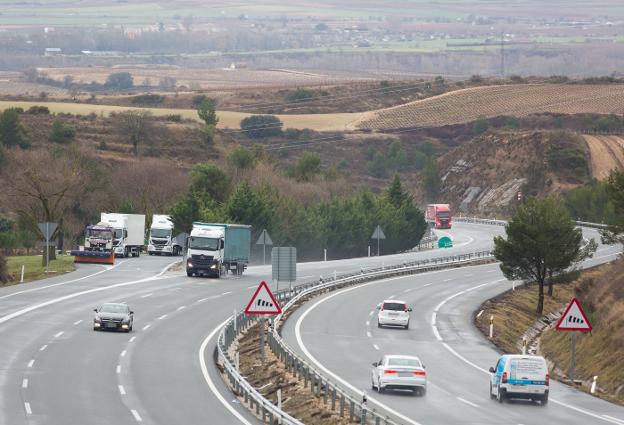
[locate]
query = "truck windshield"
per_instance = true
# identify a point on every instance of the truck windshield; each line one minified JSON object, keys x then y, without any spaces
{"x":444,"y":214}
{"x":99,"y":233}
{"x":161,"y":233}
{"x":208,"y":244}
{"x":118,"y":233}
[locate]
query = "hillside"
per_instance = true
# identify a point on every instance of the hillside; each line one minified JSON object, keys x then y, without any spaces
{"x":484,"y":175}
{"x":470,"y":104}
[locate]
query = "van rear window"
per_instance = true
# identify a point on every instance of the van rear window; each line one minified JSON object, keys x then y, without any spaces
{"x":529,"y":368}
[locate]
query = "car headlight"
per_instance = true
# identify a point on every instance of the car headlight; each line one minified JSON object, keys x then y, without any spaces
{"x":189,"y":265}
{"x":214,"y":266}
{"x":124,"y":326}
{"x":97,"y":324}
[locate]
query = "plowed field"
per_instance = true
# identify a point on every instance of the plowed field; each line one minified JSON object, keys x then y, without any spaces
{"x":607,"y":153}
{"x":467,"y":105}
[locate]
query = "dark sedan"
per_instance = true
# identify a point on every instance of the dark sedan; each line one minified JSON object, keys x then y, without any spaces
{"x":113,"y":316}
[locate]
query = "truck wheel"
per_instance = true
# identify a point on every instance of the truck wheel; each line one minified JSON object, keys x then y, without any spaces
{"x":189,"y":274}
{"x":126,"y":252}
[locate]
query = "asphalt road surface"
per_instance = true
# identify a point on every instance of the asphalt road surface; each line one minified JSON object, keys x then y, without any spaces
{"x":56,"y":370}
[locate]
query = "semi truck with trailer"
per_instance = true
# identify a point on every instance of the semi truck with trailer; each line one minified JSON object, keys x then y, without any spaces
{"x":161,"y":240}
{"x":128,"y":233}
{"x":213,"y":249}
{"x":440,"y":215}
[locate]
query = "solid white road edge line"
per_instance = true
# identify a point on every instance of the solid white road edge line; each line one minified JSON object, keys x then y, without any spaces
{"x":467,"y":402}
{"x":615,"y":419}
{"x":28,"y":309}
{"x":465,"y":360}
{"x":208,"y":379}
{"x":60,"y":283}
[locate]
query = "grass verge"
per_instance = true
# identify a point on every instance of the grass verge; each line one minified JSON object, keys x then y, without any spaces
{"x":599,"y":353}
{"x":33,"y":268}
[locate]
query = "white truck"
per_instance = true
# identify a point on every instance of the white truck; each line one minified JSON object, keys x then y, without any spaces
{"x":161,"y":240}
{"x":215,"y":248}
{"x":129,"y":233}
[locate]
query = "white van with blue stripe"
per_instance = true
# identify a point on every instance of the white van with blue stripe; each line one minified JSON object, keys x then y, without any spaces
{"x":520,"y":376}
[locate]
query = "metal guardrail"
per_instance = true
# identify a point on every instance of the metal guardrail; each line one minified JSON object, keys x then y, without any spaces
{"x":342,"y":400}
{"x":495,"y":222}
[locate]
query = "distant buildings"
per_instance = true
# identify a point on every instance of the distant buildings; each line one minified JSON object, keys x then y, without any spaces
{"x":52,"y":51}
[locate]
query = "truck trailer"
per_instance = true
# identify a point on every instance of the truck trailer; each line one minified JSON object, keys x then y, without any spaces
{"x":439,"y":215}
{"x":213,"y":249}
{"x":161,"y":239}
{"x":129,"y":233}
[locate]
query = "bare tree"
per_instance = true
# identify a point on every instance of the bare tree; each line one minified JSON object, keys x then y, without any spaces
{"x":136,"y":127}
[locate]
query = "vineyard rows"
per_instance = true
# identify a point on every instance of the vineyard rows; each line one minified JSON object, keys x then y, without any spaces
{"x":467,"y":105}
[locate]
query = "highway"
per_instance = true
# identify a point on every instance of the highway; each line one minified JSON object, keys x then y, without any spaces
{"x":57,"y":370}
{"x":441,"y":333}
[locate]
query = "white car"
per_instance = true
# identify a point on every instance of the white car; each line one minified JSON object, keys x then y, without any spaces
{"x":395,"y":372}
{"x":393,"y":313}
{"x":520,"y":376}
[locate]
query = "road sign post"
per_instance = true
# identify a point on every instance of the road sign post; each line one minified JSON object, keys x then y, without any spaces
{"x":378,"y":234}
{"x":264,"y":240}
{"x":262,"y":303}
{"x":47,"y":230}
{"x":573,"y":319}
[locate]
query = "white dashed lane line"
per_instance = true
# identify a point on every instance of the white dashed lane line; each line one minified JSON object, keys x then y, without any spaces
{"x":136,"y":415}
{"x":371,"y":313}
{"x":31,"y":363}
{"x":43,"y":347}
{"x":123,"y":353}
{"x":59,"y":334}
{"x":182,"y":307}
{"x":146,"y":327}
{"x":368,"y":334}
{"x":132,"y":339}
{"x":376,"y":346}
{"x":226,"y":293}
{"x":24,"y":383}
{"x":448,"y":280}
{"x":77,"y":322}
{"x":368,"y":323}
{"x":467,"y":402}
{"x":27,"y":408}
{"x":147,"y":295}
{"x":162,"y":317}
{"x":122,"y":391}
{"x":118,"y":369}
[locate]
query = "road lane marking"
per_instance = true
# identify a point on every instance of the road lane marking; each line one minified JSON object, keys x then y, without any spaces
{"x":468,"y":275}
{"x":428,"y":284}
{"x":162,"y":317}
{"x":252,"y":287}
{"x":371,"y":313}
{"x":208,"y":379}
{"x":226,"y":293}
{"x":43,"y":347}
{"x":31,"y":363}
{"x":136,"y":415}
{"x":147,"y":295}
{"x":468,"y":402}
{"x":615,"y":419}
{"x":60,"y":283}
{"x":24,"y":383}
{"x":27,"y":408}
{"x":30,"y":308}
{"x":202,"y":300}
{"x":146,"y":327}
{"x":368,"y":323}
{"x":118,"y":369}
{"x":406,"y":291}
{"x":376,"y":346}
{"x":123,"y":353}
{"x":448,"y":280}
{"x":77,"y":322}
{"x":122,"y":391}
{"x":182,"y":307}
{"x":132,"y":339}
{"x":59,"y":334}
{"x":368,"y":334}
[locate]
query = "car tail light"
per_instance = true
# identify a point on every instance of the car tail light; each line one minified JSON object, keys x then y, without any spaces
{"x":382,"y":307}
{"x":504,"y":380}
{"x":420,"y":373}
{"x":389,"y":372}
{"x":547,"y":379}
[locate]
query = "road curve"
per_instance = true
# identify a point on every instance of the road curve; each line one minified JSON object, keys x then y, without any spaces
{"x":441,"y":333}
{"x":57,"y":370}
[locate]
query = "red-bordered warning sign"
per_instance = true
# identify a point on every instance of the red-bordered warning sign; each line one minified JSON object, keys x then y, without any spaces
{"x":574,"y":318}
{"x":263,"y":301}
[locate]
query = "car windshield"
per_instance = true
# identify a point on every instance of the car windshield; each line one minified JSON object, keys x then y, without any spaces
{"x":99,"y":233}
{"x":394,"y":306}
{"x":444,"y":214}
{"x":161,"y":233}
{"x":114,"y":308}
{"x":208,"y":244}
{"x":398,"y":361}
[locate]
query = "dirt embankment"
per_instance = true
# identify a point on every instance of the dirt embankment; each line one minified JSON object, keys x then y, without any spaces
{"x":607,"y":154}
{"x":599,"y":353}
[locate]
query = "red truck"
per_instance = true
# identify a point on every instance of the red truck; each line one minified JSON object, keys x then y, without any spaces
{"x":440,"y":215}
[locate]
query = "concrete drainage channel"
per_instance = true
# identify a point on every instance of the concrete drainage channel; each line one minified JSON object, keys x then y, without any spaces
{"x":334,"y":396}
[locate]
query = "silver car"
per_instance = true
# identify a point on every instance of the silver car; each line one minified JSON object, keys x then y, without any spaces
{"x":394,"y":372}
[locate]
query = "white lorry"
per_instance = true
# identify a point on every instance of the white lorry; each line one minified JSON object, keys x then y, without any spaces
{"x":215,"y":248}
{"x":161,"y":240}
{"x":129,"y":233}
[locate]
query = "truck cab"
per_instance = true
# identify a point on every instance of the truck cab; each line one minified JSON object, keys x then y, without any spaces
{"x":99,"y":237}
{"x":440,"y":215}
{"x":213,"y":249}
{"x":161,"y":240}
{"x":128,"y":233}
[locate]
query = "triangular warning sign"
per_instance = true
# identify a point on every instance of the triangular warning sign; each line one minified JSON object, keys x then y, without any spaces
{"x":574,"y":318}
{"x":263,"y":301}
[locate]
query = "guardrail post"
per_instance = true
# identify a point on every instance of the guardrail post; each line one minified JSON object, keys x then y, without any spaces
{"x":352,"y":411}
{"x":333,"y":403}
{"x":342,"y":405}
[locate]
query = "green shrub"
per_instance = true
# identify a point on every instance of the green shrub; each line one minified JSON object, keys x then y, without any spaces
{"x":38,"y":110}
{"x":261,"y":126}
{"x":61,"y":133}
{"x":148,"y":99}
